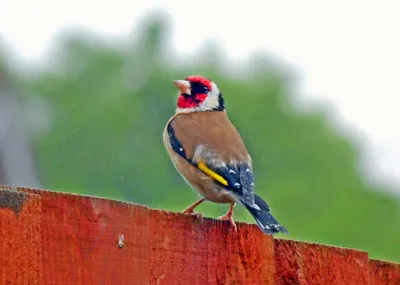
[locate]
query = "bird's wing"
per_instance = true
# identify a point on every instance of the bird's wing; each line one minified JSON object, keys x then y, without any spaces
{"x":219,"y":153}
{"x":236,"y":177}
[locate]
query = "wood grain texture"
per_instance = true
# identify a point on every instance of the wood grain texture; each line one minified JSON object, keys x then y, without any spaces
{"x":20,"y":259}
{"x":57,"y":238}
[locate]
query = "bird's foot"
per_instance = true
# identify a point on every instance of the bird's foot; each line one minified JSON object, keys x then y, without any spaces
{"x":193,"y":213}
{"x":190,"y":210}
{"x":229,"y":217}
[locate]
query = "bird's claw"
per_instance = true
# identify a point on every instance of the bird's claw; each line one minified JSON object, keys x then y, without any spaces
{"x":229,"y":218}
{"x":193,"y":213}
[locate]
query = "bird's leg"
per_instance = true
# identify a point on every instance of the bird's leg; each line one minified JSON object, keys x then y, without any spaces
{"x":190,"y":210}
{"x":229,"y":216}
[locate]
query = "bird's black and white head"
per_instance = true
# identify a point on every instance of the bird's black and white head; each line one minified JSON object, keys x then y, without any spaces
{"x":198,"y":94}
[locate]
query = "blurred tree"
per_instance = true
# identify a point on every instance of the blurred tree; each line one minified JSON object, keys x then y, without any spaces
{"x":110,"y":107}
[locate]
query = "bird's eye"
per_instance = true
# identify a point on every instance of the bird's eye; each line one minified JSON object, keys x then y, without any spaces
{"x":205,"y":89}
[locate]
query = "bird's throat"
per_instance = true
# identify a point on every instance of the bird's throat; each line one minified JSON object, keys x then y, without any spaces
{"x":186,"y":102}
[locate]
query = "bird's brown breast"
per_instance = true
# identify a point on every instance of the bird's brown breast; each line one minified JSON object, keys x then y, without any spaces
{"x":212,"y":129}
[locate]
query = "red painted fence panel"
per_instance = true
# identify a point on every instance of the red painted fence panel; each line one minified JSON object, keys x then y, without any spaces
{"x":57,"y":238}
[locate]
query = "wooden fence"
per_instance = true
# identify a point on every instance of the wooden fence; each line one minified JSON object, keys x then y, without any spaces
{"x":56,"y":238}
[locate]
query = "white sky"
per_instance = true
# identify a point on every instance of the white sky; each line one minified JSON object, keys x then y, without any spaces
{"x":347,"y":51}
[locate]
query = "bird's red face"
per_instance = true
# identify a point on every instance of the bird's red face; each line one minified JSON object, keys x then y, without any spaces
{"x":193,"y":91}
{"x":197,"y":93}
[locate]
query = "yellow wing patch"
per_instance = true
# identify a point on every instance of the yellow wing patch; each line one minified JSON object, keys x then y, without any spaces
{"x":201,"y":165}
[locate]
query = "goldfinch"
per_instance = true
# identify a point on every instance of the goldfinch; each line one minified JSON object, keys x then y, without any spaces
{"x":210,"y":155}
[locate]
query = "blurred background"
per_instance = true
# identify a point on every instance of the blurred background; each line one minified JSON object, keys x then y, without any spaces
{"x":85,"y":92}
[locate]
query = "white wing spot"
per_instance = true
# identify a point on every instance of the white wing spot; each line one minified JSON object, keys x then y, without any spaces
{"x":248,"y":170}
{"x":180,"y":149}
{"x":264,"y":227}
{"x":237,"y":185}
{"x":231,"y":171}
{"x":252,"y":184}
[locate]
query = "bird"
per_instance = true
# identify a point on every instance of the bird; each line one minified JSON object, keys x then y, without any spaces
{"x":209,"y":153}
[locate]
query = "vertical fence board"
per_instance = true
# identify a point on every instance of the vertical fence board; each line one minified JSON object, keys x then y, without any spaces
{"x":189,"y":251}
{"x":20,"y":259}
{"x":384,"y":273}
{"x":308,"y":264}
{"x":81,"y":238}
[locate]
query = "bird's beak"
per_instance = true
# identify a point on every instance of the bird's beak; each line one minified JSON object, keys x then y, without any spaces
{"x":183,"y":86}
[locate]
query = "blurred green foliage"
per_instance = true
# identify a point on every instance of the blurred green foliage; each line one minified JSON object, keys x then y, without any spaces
{"x":109,"y":107}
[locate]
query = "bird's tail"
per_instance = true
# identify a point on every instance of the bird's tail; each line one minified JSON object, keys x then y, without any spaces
{"x":261,"y":213}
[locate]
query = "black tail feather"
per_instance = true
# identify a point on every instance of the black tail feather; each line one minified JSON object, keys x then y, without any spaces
{"x":261,"y":213}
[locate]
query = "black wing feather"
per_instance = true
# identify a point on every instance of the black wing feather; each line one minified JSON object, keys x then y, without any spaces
{"x":175,"y":143}
{"x":247,"y":181}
